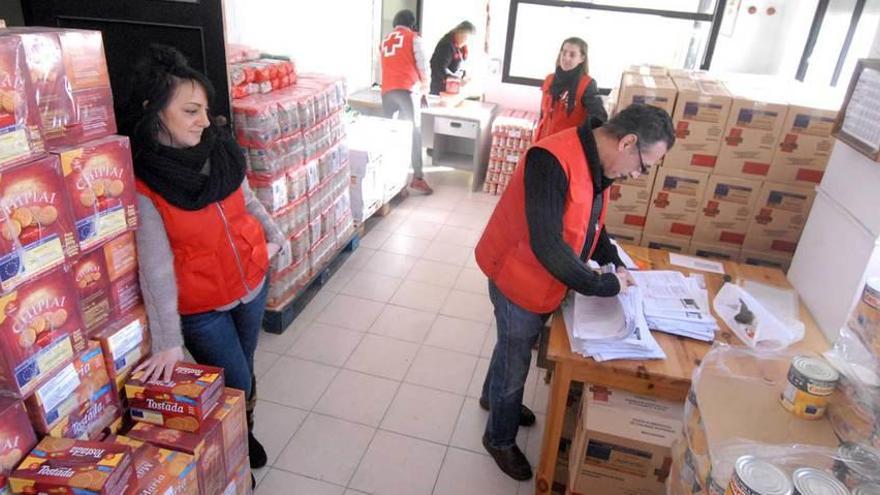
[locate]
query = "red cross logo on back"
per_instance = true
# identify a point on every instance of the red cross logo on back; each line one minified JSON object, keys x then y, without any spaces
{"x":392,"y":42}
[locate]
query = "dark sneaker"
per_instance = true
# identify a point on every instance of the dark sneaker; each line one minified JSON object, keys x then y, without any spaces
{"x":526,"y":416}
{"x":511,"y":460}
{"x":421,"y":186}
{"x":256,"y":452}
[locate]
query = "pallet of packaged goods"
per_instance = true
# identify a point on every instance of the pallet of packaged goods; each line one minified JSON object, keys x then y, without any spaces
{"x":512,"y":134}
{"x":380,"y":155}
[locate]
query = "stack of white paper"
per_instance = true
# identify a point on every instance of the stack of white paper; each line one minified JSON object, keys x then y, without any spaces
{"x":676,"y":304}
{"x":607,"y":328}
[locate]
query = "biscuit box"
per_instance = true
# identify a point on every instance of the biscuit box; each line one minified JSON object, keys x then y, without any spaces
{"x":125,"y":344}
{"x":17,"y":437}
{"x":100,"y":182}
{"x":93,"y":288}
{"x":20,"y":136}
{"x":120,"y":257}
{"x":4,"y":485}
{"x":75,"y":467}
{"x":77,"y":401}
{"x":36,"y":231}
{"x":160,"y":471}
{"x":106,"y":281}
{"x":230,"y":412}
{"x":182,"y":403}
{"x":40,"y":331}
{"x":239,"y":480}
{"x":206,"y":447}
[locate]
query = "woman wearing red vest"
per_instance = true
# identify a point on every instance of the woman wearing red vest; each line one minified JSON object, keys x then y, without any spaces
{"x":569,"y":95}
{"x":202,"y":238}
{"x":548,"y":224}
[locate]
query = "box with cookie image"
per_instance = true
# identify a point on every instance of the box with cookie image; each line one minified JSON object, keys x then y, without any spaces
{"x":182,"y":403}
{"x":75,"y":467}
{"x":100,"y":182}
{"x":17,"y":437}
{"x":230,"y":411}
{"x":77,"y":401}
{"x":20,"y":136}
{"x":107,"y":283}
{"x":125,"y":343}
{"x":40,"y":331}
{"x":160,"y":470}
{"x":36,"y":230}
{"x":206,"y":447}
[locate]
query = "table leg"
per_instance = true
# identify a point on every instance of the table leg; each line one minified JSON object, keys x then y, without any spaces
{"x":555,"y":418}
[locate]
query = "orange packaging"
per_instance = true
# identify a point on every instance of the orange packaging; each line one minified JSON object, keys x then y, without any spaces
{"x":182,"y":403}
{"x":125,"y":344}
{"x":36,"y":230}
{"x":20,"y":136}
{"x":206,"y":447}
{"x":106,"y":280}
{"x":100,"y":182}
{"x":231,"y":414}
{"x":77,"y":401}
{"x":160,"y":471}
{"x":74,"y":467}
{"x":40,"y":331}
{"x":17,"y":437}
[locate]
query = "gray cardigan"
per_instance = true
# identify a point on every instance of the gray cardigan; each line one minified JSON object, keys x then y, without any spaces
{"x":156,"y":268}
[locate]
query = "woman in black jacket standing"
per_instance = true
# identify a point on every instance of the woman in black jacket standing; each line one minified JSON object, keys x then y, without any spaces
{"x":450,"y":51}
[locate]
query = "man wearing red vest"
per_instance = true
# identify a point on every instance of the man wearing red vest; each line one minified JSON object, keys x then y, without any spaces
{"x":404,"y":66}
{"x":548,"y":223}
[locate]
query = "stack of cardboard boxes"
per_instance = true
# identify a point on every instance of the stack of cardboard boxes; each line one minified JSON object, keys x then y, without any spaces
{"x":739,"y":182}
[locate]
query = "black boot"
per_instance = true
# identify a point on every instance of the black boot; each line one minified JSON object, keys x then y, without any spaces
{"x":511,"y":460}
{"x":256,"y":452}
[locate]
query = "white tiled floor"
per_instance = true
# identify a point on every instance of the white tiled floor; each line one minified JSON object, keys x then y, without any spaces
{"x":373,"y":389}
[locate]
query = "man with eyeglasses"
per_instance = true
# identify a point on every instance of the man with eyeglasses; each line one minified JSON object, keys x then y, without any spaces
{"x":548,"y":223}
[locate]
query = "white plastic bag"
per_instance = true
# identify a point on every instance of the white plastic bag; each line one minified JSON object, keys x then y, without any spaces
{"x":766,"y":329}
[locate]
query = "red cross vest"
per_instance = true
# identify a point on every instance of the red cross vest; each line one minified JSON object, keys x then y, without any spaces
{"x":554,"y":115}
{"x":399,"y":70}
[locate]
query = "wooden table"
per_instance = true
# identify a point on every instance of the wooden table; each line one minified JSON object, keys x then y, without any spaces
{"x":669,"y":378}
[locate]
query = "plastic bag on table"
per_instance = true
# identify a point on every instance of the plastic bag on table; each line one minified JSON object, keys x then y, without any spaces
{"x":754,"y":324}
{"x":855,"y":406}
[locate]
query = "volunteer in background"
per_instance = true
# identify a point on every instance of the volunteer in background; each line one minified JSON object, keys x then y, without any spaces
{"x":403,"y":66}
{"x":202,"y":236}
{"x":448,"y":55}
{"x":569,"y":95}
{"x":547,"y":224}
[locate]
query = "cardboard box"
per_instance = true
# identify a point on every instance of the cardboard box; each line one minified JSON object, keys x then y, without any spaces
{"x":125,"y":344}
{"x":756,"y":119}
{"x":36,"y":230}
{"x":64,"y":466}
{"x":77,"y":401}
{"x":675,"y":201}
{"x":120,"y":256}
{"x":21,"y":139}
{"x":160,"y":471}
{"x":182,"y":403}
{"x":624,"y":235}
{"x":778,"y":219}
{"x":806,"y":141}
{"x":230,"y":412}
{"x":671,"y":244}
{"x":106,"y":279}
{"x":100,"y":181}
{"x":701,"y":113}
{"x":206,"y":447}
{"x":647,"y":70}
{"x":772,"y":260}
{"x":628,"y":206}
{"x":240,"y":482}
{"x":657,"y":90}
{"x":40,"y":331}
{"x":715,"y":251}
{"x":17,"y":437}
{"x":623,"y":443}
{"x":726,"y":210}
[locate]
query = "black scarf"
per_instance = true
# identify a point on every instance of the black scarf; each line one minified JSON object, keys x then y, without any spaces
{"x":565,"y":83}
{"x":176,"y":174}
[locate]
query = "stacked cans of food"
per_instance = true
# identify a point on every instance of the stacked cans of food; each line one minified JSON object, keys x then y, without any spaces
{"x":294,"y":140}
{"x":260,"y":76}
{"x":512,"y":134}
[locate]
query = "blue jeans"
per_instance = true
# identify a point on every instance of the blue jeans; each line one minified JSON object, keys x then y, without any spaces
{"x":518,"y":331}
{"x":227,"y":339}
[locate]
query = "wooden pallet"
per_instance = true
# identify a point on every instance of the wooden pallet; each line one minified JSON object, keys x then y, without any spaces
{"x":385,"y":209}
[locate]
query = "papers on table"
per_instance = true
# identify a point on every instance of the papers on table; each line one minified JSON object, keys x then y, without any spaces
{"x":607,"y":328}
{"x":676,"y":304}
{"x":694,"y":263}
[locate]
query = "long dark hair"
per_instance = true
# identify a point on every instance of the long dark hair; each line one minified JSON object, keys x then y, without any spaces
{"x":155,"y":78}
{"x":580,"y":43}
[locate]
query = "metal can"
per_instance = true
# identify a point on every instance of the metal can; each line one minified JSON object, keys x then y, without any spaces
{"x":809,"y":481}
{"x":865,"y":318}
{"x":857,"y":464}
{"x":811,"y":381}
{"x":752,"y":476}
{"x":867,"y":489}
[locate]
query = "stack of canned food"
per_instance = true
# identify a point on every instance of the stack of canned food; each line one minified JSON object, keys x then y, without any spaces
{"x":512,"y":133}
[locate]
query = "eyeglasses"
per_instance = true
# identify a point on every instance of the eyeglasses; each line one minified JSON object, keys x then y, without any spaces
{"x":644,"y":168}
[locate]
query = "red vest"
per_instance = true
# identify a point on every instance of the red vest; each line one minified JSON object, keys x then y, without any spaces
{"x":554,"y":115}
{"x":504,"y":252}
{"x":399,"y":70}
{"x":219,"y":251}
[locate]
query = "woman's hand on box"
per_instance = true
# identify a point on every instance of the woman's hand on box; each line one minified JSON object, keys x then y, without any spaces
{"x":160,"y":366}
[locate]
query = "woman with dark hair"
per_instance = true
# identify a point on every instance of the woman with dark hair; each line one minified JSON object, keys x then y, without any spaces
{"x":569,"y":95}
{"x":202,"y":238}
{"x":448,"y":55}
